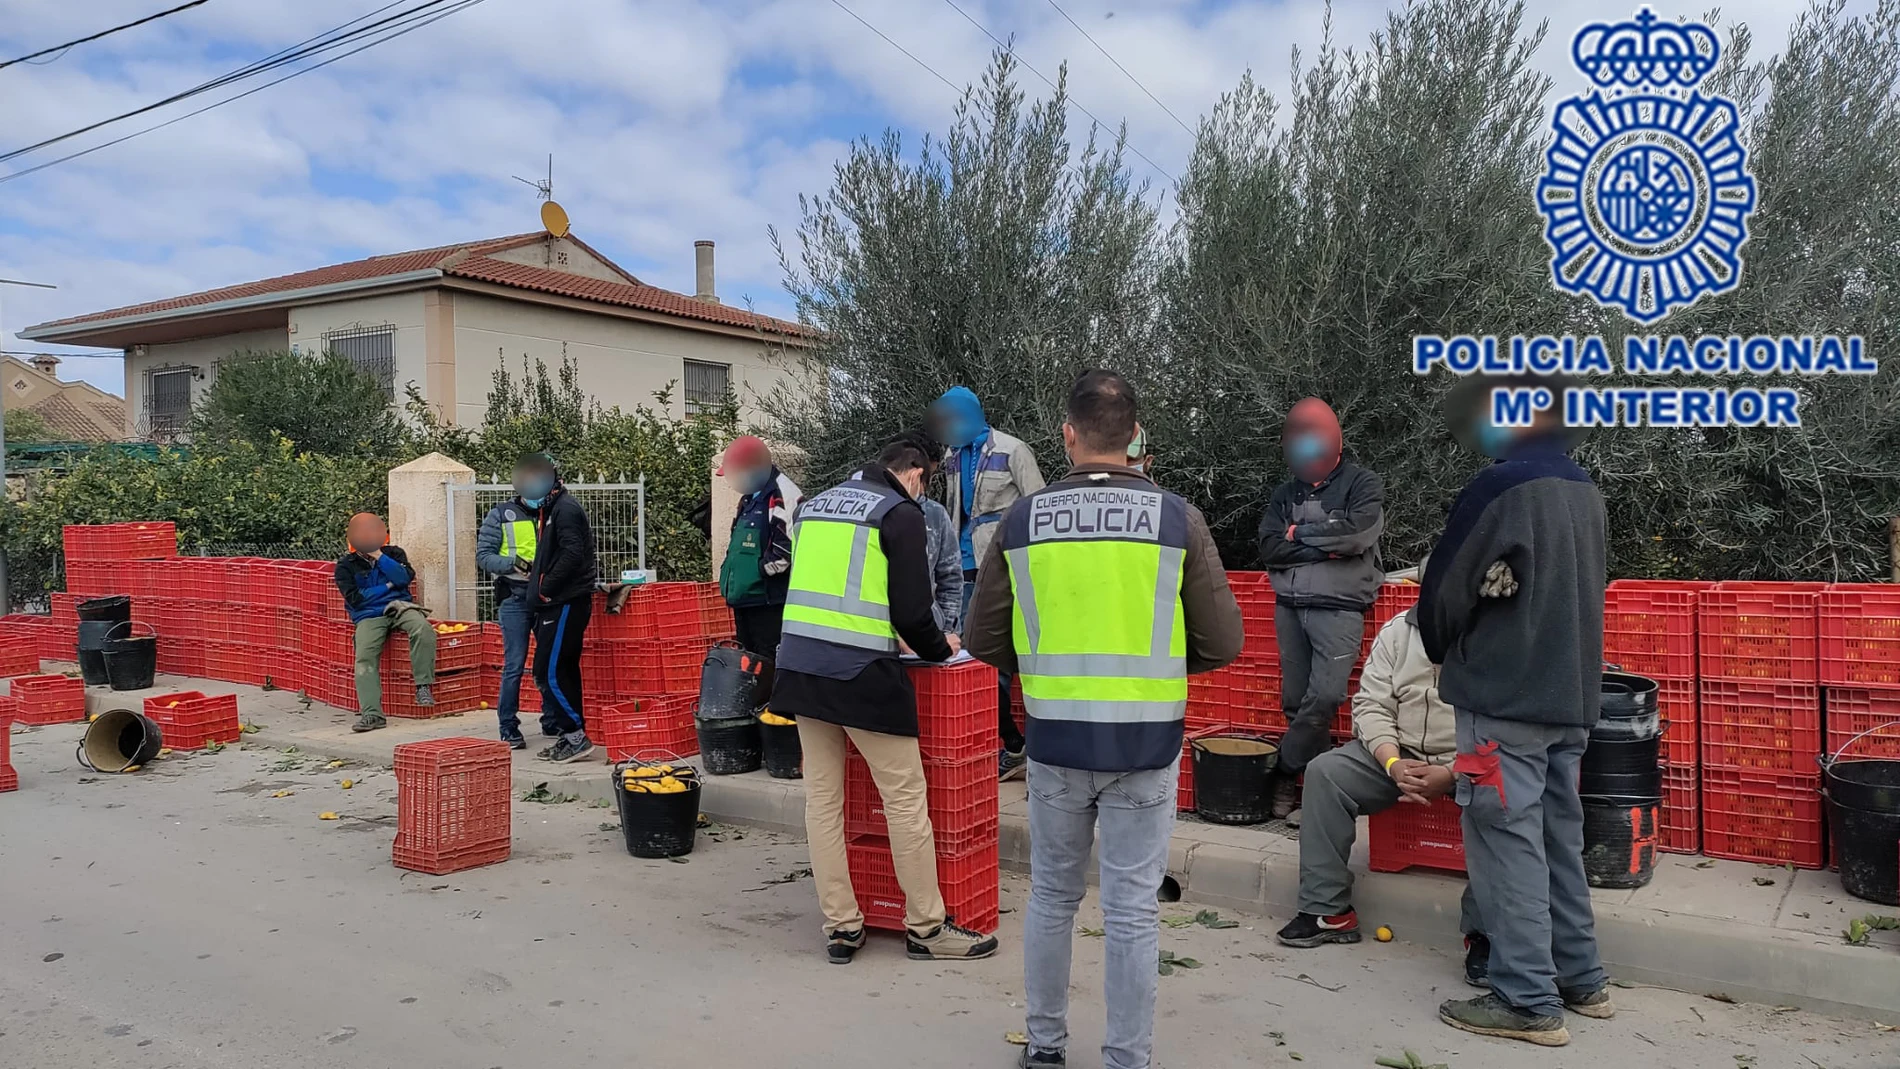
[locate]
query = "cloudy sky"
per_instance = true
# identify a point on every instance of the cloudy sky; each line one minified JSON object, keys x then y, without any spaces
{"x":669,"y":121}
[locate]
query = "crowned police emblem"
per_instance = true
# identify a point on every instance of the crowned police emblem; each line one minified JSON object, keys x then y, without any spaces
{"x":1647,"y":193}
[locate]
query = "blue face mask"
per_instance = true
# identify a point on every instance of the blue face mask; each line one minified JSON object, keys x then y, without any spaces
{"x":534,"y":489}
{"x":1494,"y":440}
{"x":1303,"y":450}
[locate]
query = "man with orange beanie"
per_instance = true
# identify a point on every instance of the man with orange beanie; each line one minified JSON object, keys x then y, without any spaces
{"x":1319,"y":541}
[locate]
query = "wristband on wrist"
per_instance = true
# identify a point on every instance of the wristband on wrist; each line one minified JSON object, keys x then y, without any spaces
{"x":1389,"y":762}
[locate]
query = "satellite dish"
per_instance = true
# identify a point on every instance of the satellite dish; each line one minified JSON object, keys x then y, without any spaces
{"x":554,"y":218}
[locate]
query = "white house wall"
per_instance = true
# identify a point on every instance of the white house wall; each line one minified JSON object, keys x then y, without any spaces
{"x":401,"y":311}
{"x":200,"y":354}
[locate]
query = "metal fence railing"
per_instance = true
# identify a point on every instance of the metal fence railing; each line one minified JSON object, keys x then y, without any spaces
{"x":615,"y":510}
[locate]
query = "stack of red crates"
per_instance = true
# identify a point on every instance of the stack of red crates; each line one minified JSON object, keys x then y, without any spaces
{"x":9,"y":779}
{"x":640,"y":667}
{"x":453,"y":804}
{"x":956,"y":730}
{"x":189,"y":720}
{"x":1649,"y":628}
{"x":1757,"y":647}
{"x":49,"y":699}
{"x":19,"y":652}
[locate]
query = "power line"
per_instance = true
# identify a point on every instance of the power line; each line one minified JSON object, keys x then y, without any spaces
{"x":913,"y":58}
{"x":312,"y":46}
{"x":1119,"y":67}
{"x":103,"y":33}
{"x":1045,"y":80}
{"x":456,"y":6}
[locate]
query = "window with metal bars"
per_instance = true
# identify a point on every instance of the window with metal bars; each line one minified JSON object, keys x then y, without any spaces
{"x":372,"y":350}
{"x":706,"y":387}
{"x":168,"y":401}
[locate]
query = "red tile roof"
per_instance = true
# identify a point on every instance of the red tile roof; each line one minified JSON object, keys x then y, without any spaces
{"x":647,"y":298}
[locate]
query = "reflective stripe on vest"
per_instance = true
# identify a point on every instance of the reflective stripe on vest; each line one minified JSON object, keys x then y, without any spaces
{"x":517,"y":539}
{"x":1098,"y":631}
{"x":840,"y":585}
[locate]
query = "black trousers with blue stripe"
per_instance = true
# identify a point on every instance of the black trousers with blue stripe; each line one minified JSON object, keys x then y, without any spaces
{"x":558,"y":632}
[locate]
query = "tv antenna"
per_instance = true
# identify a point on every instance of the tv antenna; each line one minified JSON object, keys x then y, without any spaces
{"x":543,"y":187}
{"x":553,"y":216}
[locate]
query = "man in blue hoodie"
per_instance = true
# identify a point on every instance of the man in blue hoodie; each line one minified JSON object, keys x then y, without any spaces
{"x":374,"y":578}
{"x":986,"y":471}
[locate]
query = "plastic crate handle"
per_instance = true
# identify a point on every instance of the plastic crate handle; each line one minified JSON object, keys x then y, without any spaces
{"x":1827,"y":761}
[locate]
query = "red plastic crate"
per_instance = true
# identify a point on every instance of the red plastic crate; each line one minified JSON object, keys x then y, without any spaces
{"x":1763,"y":726}
{"x":1649,"y":627}
{"x":962,"y":798}
{"x":1393,"y":599}
{"x":454,"y":694}
{"x":956,"y":710}
{"x":49,"y":699}
{"x":235,"y":663}
{"x":453,"y":804}
{"x":1681,"y":812}
{"x":647,"y":727}
{"x":1759,"y":631}
{"x":1860,"y":635}
{"x":1209,"y":696}
{"x":20,"y":657}
{"x":1426,"y":836}
{"x":120,"y":541}
{"x":1773,"y":818}
{"x":970,"y":882}
{"x":680,"y":662}
{"x":190,"y":719}
{"x":1676,"y":701}
{"x":1865,"y":720}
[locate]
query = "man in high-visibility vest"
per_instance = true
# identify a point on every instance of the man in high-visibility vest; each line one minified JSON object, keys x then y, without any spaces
{"x":1102,"y":593}
{"x":504,"y":549}
{"x":860,"y":592}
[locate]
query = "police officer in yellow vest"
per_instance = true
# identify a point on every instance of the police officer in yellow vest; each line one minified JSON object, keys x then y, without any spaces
{"x":1101,"y":593}
{"x":504,"y":549}
{"x":860,"y":593}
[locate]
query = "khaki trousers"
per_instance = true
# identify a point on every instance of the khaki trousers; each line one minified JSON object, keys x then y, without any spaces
{"x":898,"y":768}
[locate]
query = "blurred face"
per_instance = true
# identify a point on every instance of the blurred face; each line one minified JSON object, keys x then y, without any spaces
{"x":533,"y":483}
{"x":368,"y":533}
{"x":746,"y":480}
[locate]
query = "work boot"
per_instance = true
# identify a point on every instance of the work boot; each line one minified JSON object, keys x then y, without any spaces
{"x":1286,"y":796}
{"x":570,"y":748}
{"x":369,"y":722}
{"x":1010,"y":764}
{"x":841,"y":946}
{"x":949,"y":942}
{"x":1042,"y":1059}
{"x":1478,"y":960}
{"x":1489,"y":1015}
{"x":425,"y":695}
{"x":1310,"y":930}
{"x":1595,"y":1003}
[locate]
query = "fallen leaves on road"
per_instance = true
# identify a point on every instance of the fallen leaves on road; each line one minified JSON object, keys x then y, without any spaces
{"x":1169,"y":961}
{"x":1091,"y":933}
{"x":1411,"y":1060}
{"x":1016,"y":1038}
{"x":283,"y":794}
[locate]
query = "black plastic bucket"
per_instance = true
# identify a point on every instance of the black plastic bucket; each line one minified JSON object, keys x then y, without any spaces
{"x":730,"y":745}
{"x":782,"y":753}
{"x":657,"y":825}
{"x":1619,"y":840}
{"x":1232,"y":777}
{"x":1629,"y":707}
{"x":131,"y":660}
{"x":92,"y":644}
{"x":1630,"y":768}
{"x":118,"y":739}
{"x":733,"y":682}
{"x":1863,"y":813}
{"x":116,"y":609}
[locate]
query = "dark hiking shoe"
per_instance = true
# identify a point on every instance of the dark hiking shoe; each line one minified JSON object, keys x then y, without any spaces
{"x":425,"y":695}
{"x":1010,"y":764}
{"x":1042,"y":1059}
{"x":564,"y":751}
{"x":1595,"y":1004}
{"x":949,"y":942}
{"x":369,"y":722}
{"x":1286,"y":796}
{"x":841,"y":946}
{"x":1311,"y":930}
{"x":1489,"y":1015}
{"x":1478,"y":960}
{"x":546,"y":753}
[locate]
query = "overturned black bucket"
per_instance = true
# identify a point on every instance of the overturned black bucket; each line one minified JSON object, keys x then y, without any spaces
{"x":656,"y":825}
{"x":118,"y":740}
{"x":1619,"y":840}
{"x":116,"y":609}
{"x":780,"y":751}
{"x":131,"y":660}
{"x":1232,"y":774}
{"x":729,"y":745}
{"x":733,"y":682}
{"x":1863,"y":804}
{"x":91,"y":650}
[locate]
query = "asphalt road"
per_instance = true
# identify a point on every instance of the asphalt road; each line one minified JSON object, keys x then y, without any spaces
{"x":188,"y":917}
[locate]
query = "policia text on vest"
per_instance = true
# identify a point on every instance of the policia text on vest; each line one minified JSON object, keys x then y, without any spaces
{"x":1095,"y":512}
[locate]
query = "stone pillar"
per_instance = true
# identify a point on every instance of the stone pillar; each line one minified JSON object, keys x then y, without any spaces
{"x":725,"y":501}
{"x":420,"y":522}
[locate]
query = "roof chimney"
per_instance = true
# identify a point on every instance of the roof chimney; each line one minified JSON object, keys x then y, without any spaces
{"x":44,"y":363}
{"x":703,"y":272}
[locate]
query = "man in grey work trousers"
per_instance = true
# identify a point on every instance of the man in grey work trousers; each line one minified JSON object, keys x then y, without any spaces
{"x":1511,"y":608}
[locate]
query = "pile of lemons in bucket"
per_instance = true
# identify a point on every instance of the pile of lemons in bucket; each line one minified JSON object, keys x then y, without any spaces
{"x":659,"y":779}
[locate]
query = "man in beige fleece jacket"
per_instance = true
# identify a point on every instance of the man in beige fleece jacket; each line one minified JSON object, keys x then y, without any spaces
{"x":1402,"y":756}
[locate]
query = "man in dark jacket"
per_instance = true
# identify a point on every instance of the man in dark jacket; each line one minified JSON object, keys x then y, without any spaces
{"x":860,"y":587}
{"x":504,"y":549}
{"x":374,"y":578}
{"x":560,"y":591}
{"x":758,"y":565}
{"x":1319,"y":541}
{"x":1121,"y":596}
{"x":1511,"y":607}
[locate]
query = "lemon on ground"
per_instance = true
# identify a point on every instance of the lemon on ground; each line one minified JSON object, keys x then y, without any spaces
{"x":1382,"y":934}
{"x":347,"y":784}
{"x":326,"y":816}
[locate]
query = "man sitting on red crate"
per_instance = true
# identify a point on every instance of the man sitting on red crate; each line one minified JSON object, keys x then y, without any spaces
{"x":374,"y":578}
{"x":1407,"y":739}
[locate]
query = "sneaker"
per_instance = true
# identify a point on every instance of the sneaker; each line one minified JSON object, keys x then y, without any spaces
{"x":1311,"y":930}
{"x":515,"y":742}
{"x":1595,"y":1004}
{"x":369,"y":722}
{"x":1489,"y":1015}
{"x":841,"y":946}
{"x":1478,"y":960}
{"x":1042,"y":1059}
{"x":564,"y":751}
{"x":1011,"y":763}
{"x":1286,"y":796}
{"x":425,"y":695}
{"x":949,"y":942}
{"x":546,"y":753}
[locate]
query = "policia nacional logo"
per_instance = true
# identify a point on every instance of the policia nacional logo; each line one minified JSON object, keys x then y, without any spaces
{"x":1647,"y":195}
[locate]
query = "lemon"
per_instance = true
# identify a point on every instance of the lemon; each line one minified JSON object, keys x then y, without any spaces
{"x":347,"y":784}
{"x":131,"y":768}
{"x":326,"y":816}
{"x":1382,"y":934}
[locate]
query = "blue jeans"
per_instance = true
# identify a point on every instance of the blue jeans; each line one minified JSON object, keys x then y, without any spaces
{"x":517,"y":623}
{"x":1135,"y":811}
